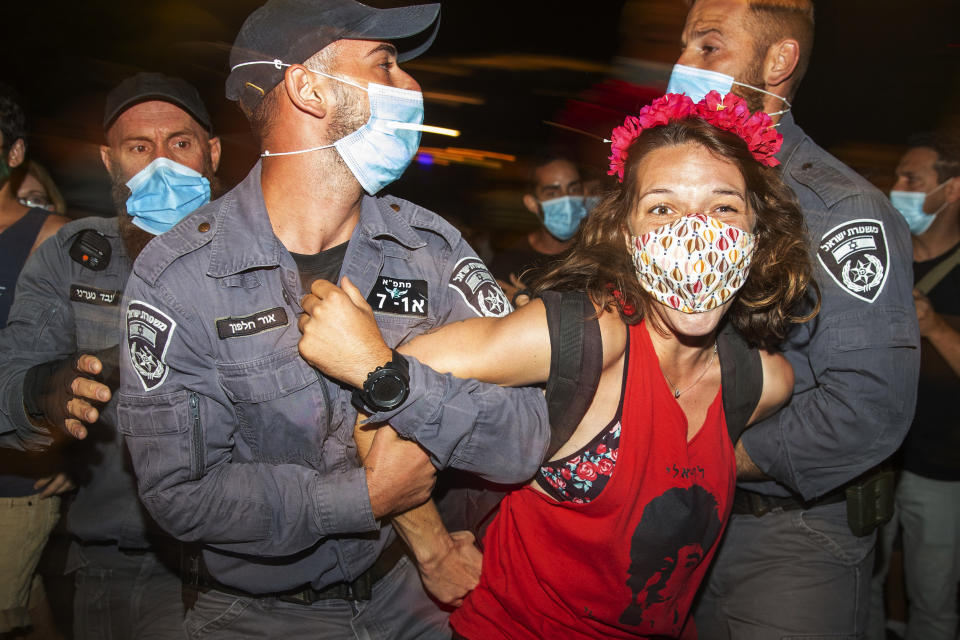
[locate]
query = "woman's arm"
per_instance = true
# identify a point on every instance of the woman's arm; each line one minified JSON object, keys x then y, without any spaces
{"x":777,"y":385}
{"x":777,"y":389}
{"x":449,"y":563}
{"x":510,"y":351}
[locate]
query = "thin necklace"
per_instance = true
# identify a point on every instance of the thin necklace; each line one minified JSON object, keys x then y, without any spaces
{"x":676,"y":391}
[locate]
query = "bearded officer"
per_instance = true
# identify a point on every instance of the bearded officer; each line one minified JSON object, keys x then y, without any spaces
{"x":58,"y":355}
{"x":236,"y":441}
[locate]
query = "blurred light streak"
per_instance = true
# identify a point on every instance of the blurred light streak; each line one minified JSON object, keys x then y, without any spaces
{"x":469,"y":157}
{"x":576,"y":130}
{"x":452,"y":98}
{"x":435,"y":65}
{"x":426,"y":128}
{"x":529,"y":62}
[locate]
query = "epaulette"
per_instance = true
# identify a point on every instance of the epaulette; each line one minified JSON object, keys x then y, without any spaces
{"x":824,"y":175}
{"x":191,"y":233}
{"x":420,"y":218}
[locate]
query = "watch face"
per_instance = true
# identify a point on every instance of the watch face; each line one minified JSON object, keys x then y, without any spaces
{"x":389,"y":390}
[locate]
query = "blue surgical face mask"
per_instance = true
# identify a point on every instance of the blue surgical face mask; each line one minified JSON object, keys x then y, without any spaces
{"x":697,"y":83}
{"x":378,"y":152}
{"x":163,"y":193}
{"x":562,"y":216}
{"x":910,"y":206}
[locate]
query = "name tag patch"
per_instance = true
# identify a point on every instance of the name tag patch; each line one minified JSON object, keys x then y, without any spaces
{"x":479,"y":289}
{"x":399,"y":297}
{"x":252,"y":324}
{"x":855,"y":255}
{"x":92,"y":295}
{"x":148,"y":335}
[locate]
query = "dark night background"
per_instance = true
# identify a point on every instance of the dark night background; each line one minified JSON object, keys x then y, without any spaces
{"x":881,"y":69}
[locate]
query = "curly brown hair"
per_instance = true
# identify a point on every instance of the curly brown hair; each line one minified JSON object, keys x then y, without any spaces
{"x":781,"y":274}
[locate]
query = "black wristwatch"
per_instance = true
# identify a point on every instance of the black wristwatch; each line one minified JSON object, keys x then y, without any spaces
{"x":386,"y":387}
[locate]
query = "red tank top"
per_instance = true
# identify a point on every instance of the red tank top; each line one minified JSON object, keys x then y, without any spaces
{"x":628,"y":563}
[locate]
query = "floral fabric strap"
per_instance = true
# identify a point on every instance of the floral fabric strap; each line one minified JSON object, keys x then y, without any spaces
{"x":582,"y":476}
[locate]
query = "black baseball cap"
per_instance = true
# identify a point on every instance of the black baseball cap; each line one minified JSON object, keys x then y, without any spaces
{"x":143,"y":87}
{"x":291,"y":31}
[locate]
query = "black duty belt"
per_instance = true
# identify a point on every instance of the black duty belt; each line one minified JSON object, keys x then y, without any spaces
{"x":356,"y":590}
{"x":757,"y":504}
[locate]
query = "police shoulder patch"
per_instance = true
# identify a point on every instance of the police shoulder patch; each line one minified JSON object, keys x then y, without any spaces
{"x":148,"y":335}
{"x":479,"y":289}
{"x":399,"y":297}
{"x":856,"y":256}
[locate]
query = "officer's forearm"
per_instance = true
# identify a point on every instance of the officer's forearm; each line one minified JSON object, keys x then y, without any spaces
{"x":746,"y":469}
{"x":421,"y":527}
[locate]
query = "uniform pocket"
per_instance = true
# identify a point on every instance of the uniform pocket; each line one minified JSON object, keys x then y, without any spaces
{"x":267,"y":378}
{"x":827,"y":527}
{"x":212,"y":612}
{"x":282,"y":407}
{"x":149,"y":416}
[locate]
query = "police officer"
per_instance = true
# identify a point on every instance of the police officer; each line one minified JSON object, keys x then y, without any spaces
{"x":236,"y":441}
{"x":790,"y":563}
{"x":59,"y":349}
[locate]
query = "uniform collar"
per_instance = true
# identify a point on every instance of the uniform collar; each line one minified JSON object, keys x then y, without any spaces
{"x":245,"y":239}
{"x":792,"y":134}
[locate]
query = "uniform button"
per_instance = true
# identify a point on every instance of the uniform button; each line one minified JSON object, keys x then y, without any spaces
{"x":806,"y":165}
{"x":203,"y":227}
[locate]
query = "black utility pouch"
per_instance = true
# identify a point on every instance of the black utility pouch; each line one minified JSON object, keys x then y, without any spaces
{"x":870,"y":502}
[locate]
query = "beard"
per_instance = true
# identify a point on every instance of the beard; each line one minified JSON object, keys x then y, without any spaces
{"x":134,"y":238}
{"x":348,"y":117}
{"x":753,"y":77}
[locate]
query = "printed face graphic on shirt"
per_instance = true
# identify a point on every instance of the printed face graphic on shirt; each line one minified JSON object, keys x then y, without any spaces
{"x":669,"y":543}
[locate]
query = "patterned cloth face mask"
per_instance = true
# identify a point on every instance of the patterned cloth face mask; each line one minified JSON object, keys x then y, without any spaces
{"x":693,"y":264}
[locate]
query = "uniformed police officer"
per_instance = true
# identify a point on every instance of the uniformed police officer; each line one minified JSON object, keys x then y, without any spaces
{"x":236,"y":441}
{"x":59,"y":347}
{"x":790,"y":564}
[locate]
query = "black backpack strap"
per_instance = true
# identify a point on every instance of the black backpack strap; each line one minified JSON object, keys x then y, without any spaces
{"x":576,"y":361}
{"x":741,"y":375}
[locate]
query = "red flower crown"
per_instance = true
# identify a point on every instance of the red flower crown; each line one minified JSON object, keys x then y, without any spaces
{"x":729,"y":113}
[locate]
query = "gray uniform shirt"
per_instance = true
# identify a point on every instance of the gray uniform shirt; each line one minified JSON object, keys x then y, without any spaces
{"x":63,"y":308}
{"x":238,"y":443}
{"x":856,"y":364}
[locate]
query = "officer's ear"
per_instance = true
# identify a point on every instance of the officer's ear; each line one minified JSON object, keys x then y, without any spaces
{"x":215,"y":153}
{"x":952,"y":190}
{"x":18,"y":150}
{"x":105,"y":158}
{"x":780,"y":62}
{"x":306,"y":90}
{"x":531,"y":204}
